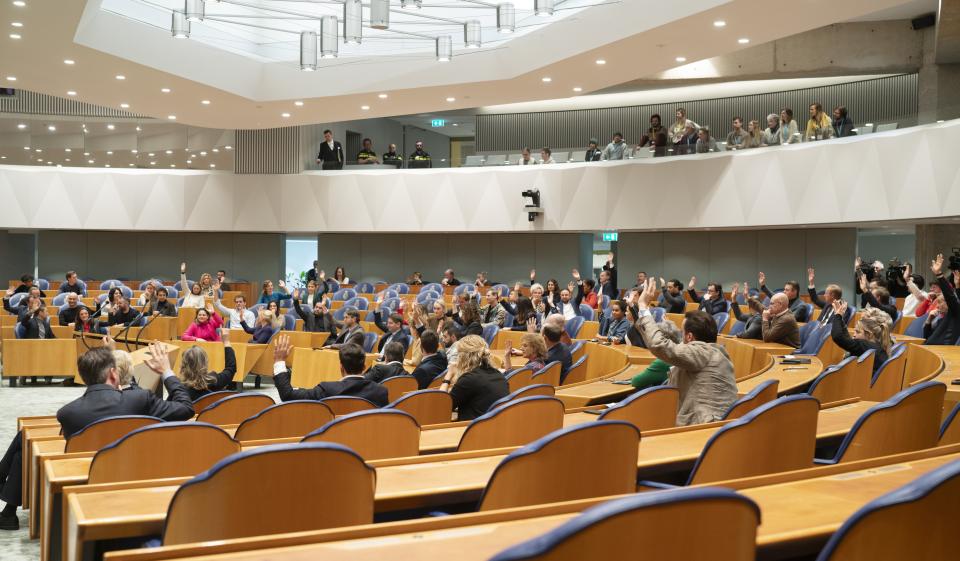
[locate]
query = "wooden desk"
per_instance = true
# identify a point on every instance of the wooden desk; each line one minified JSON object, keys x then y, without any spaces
{"x":36,"y":357}
{"x":161,"y":328}
{"x":793,"y":377}
{"x":788,"y":526}
{"x":751,"y":356}
{"x":91,"y":513}
{"x":950,"y":355}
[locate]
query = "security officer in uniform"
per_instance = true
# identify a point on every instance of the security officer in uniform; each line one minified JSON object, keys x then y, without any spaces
{"x":420,"y":158}
{"x":367,"y":155}
{"x":392,"y":158}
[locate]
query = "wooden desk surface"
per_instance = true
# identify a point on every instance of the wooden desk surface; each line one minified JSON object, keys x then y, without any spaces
{"x":93,"y":515}
{"x":827,"y":502}
{"x":792,"y":377}
{"x":951,"y":371}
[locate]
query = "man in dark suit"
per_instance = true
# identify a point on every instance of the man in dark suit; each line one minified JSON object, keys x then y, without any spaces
{"x":320,"y":320}
{"x":314,"y":273}
{"x":433,"y":362}
{"x":68,"y":314}
{"x":393,"y":331}
{"x":792,"y":289}
{"x":671,"y":296}
{"x":608,"y":280}
{"x":331,"y":152}
{"x":391,"y":366}
{"x":449,"y":279}
{"x":712,"y":300}
{"x":351,"y":326}
{"x":557,"y":351}
{"x":26,"y":285}
{"x":36,"y":324}
{"x":830,"y":294}
{"x":352,"y":384}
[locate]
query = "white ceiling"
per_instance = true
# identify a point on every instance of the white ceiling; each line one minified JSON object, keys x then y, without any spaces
{"x":907,"y":10}
{"x":636,"y":38}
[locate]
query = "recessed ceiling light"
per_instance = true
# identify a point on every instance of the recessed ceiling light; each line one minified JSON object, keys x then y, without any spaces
{"x":169,"y":151}
{"x":681,"y":59}
{"x":173,"y":165}
{"x":205,"y":102}
{"x":382,"y":96}
{"x":90,"y":161}
{"x":16,"y":24}
{"x":86,"y":153}
{"x":109,"y":152}
{"x":26,"y":147}
{"x":172,"y":117}
{"x":743,"y":40}
{"x":165,"y":90}
{"x":68,"y":150}
{"x":51,"y":128}
{"x":216,"y":150}
{"x":111,"y":127}
{"x":21,"y":126}
{"x":228,"y":147}
{"x":71,"y":93}
{"x":451,"y":99}
{"x":3,"y":157}
{"x":19,"y":3}
{"x":285,"y":115}
{"x":601,"y":62}
{"x":546,"y":79}
{"x":189,"y":162}
{"x":298,"y":103}
{"x":578,"y":89}
{"x":124,"y":106}
{"x":14,"y":35}
{"x":66,"y":159}
{"x":153,"y":163}
{"x":138,"y":128}
{"x":131,"y":165}
{"x":151,"y":154}
{"x":203,"y":153}
{"x":456,"y":124}
{"x":106,"y":166}
{"x":365,"y":107}
{"x":213,"y":165}
{"x":11,"y":78}
{"x":134,"y":151}
{"x":719,"y":23}
{"x":69,"y":61}
{"x":121,"y":77}
{"x":38,"y":150}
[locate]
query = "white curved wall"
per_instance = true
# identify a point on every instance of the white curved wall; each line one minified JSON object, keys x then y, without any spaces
{"x":900,"y":175}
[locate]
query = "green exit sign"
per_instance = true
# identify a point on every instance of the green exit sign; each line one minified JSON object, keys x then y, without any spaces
{"x":610,"y":236}
{"x":437,"y":123}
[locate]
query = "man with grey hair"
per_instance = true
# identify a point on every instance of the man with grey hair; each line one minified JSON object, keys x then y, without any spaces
{"x":779,"y":325}
{"x":554,"y":320}
{"x":449,"y":279}
{"x":771,"y":134}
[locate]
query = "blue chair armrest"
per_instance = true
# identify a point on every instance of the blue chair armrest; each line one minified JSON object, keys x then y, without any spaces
{"x":824,"y":462}
{"x":656,"y":485}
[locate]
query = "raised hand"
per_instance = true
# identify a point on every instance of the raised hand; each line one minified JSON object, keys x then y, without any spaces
{"x":321,"y":275}
{"x":225,"y":336}
{"x":532,"y":324}
{"x":746,"y":290}
{"x":839,"y":307}
{"x":571,"y":286}
{"x":857,"y":263}
{"x":734,"y":290}
{"x":693,"y":283}
{"x":663,"y":284}
{"x":9,"y":292}
{"x":296,"y":294}
{"x":282,"y":284}
{"x":183,"y":267}
{"x":907,"y":272}
{"x":810,"y":276}
{"x":533,"y":274}
{"x":646,"y":295}
{"x":109,"y":343}
{"x":159,"y":362}
{"x":863,"y":283}
{"x":936,"y":266}
{"x":762,"y":278}
{"x":576,"y":275}
{"x":610,"y":259}
{"x":281,"y":348}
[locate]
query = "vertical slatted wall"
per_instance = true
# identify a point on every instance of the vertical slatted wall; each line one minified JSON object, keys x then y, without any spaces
{"x":880,"y":100}
{"x":268,"y":151}
{"x":33,"y":103}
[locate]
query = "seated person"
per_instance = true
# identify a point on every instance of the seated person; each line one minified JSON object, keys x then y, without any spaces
{"x":238,"y":314}
{"x":161,"y":306}
{"x":942,"y":326}
{"x":792,"y":289}
{"x":204,"y":326}
{"x":492,"y":312}
{"x":86,"y":322}
{"x":702,"y":370}
{"x":878,"y":297}
{"x":568,"y":306}
{"x":712,"y":301}
{"x":556,"y":350}
{"x":671,"y":296}
{"x":391,"y":366}
{"x":352,"y":383}
{"x":657,"y":372}
{"x":532,"y":347}
{"x":36,"y":323}
{"x":523,"y":314}
{"x":432,"y":363}
{"x":350,"y":326}
{"x":194,"y":298}
{"x":468,"y":320}
{"x":30,"y":302}
{"x":753,"y":328}
{"x":614,"y":328}
{"x":123,"y":314}
{"x":585,"y":290}
{"x":69,"y":313}
{"x":313,"y":294}
{"x":149,"y":295}
{"x":779,"y":325}
{"x":269,"y":295}
{"x":267,"y":325}
{"x":473,"y":383}
{"x":393,"y":331}
{"x":320,"y":320}
{"x":871,"y":332}
{"x":831,"y":294}
{"x":26,"y":285}
{"x":392,"y":158}
{"x":194,"y":370}
{"x":72,"y":285}
{"x":366,"y":155}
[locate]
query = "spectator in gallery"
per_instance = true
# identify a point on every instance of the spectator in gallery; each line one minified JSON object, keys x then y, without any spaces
{"x":842,"y":123}
{"x":593,"y":153}
{"x":366,"y":155}
{"x":738,"y":138}
{"x":705,"y":142}
{"x":771,"y":134}
{"x":819,"y":126}
{"x":331,"y":152}
{"x":391,"y":157}
{"x":754,"y":134}
{"x":546,"y":156}
{"x":421,"y":156}
{"x":655,"y":137}
{"x":525,"y":158}
{"x":688,"y":142}
{"x":679,"y":126}
{"x":789,"y":133}
{"x":616,"y":150}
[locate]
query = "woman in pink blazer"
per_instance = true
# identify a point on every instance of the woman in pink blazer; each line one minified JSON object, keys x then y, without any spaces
{"x":204,"y":327}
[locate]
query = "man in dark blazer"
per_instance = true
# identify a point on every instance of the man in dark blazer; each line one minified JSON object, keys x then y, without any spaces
{"x":331,"y":152}
{"x":391,"y":366}
{"x":350,"y":326}
{"x":393,"y":331}
{"x":557,"y":351}
{"x":36,"y":324}
{"x":671,"y":296}
{"x":608,"y":279}
{"x":321,"y":320}
{"x":433,"y":362}
{"x":353,"y":384}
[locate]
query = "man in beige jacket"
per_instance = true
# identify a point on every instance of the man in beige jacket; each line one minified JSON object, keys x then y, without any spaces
{"x":779,"y":325}
{"x":700,"y":368}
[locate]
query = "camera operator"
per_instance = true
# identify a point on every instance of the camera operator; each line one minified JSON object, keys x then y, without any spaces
{"x":873,"y":272}
{"x":896,"y":284}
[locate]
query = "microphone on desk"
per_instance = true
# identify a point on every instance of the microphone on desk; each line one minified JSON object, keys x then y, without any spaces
{"x":136,"y":342}
{"x":124,"y":331}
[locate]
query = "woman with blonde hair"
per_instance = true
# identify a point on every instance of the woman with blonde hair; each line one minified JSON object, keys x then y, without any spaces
{"x":871,"y":332}
{"x":533,"y":347}
{"x":754,"y":134}
{"x":474,"y":384}
{"x":195,"y":375}
{"x":124,"y":368}
{"x":267,"y":323}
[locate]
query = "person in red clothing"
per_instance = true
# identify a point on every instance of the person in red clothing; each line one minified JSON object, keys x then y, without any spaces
{"x":204,"y":327}
{"x":586,"y":285}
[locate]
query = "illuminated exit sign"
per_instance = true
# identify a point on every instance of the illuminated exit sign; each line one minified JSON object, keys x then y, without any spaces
{"x":610,"y":236}
{"x":437,"y":123}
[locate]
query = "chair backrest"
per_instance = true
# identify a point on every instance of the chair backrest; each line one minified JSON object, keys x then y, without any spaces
{"x":400,"y":287}
{"x":516,"y":423}
{"x":501,"y":289}
{"x":765,"y":392}
{"x":345,"y":294}
{"x":840,"y":381}
{"x":427,"y":295}
{"x":19,"y":331}
{"x":206,"y":400}
{"x":490,"y":332}
{"x":221,"y":503}
{"x":577,"y":351}
{"x":162,"y":450}
{"x":916,"y":521}
{"x":915,"y":329}
{"x":526,"y":391}
{"x":43,"y":284}
{"x":433,"y":287}
{"x":674,"y":524}
{"x":346,"y":404}
{"x":364,"y":288}
{"x":369,"y":341}
{"x":886,"y":127}
{"x":806,"y":329}
{"x":520,"y":378}
{"x":428,"y":407}
{"x":397,"y":386}
{"x":234,"y":409}
{"x":110,"y":283}
{"x":100,"y":433}
{"x":375,"y":435}
{"x":461,"y":288}
{"x":737,"y":328}
{"x":950,"y":430}
{"x":549,"y":374}
{"x":784,"y":429}
{"x":888,"y":379}
{"x":60,"y":299}
{"x":573,"y":325}
{"x":358,"y":302}
{"x":649,"y":409}
{"x":578,"y":462}
{"x":285,"y":420}
{"x":908,"y":421}
{"x":17,"y":298}
{"x":587,"y":312}
{"x":721,"y":318}
{"x":577,"y":372}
